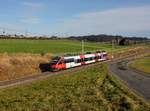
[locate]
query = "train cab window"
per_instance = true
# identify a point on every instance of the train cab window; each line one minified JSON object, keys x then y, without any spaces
{"x":60,"y":62}
{"x":53,"y":62}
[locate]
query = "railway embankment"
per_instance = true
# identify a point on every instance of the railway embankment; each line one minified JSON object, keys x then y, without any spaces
{"x":13,"y":66}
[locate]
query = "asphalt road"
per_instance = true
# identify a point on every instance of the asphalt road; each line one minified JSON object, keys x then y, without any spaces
{"x":137,"y":81}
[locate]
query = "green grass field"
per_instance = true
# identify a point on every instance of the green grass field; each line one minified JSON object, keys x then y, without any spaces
{"x":86,"y":90}
{"x":142,"y":64}
{"x":49,"y":46}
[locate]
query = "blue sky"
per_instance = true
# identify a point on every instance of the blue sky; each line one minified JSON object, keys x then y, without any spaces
{"x":76,"y":17}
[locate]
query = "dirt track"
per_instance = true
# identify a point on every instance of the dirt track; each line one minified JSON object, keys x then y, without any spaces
{"x":137,"y":81}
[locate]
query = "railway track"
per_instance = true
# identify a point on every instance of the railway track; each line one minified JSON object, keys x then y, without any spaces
{"x":41,"y":76}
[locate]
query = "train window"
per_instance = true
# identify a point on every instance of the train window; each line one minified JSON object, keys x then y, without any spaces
{"x":78,"y":60}
{"x":98,"y":57}
{"x":91,"y":58}
{"x":86,"y":59}
{"x":104,"y":55}
{"x":68,"y":60}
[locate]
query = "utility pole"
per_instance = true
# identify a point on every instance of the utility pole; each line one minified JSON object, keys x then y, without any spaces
{"x":26,"y":33}
{"x":4,"y":32}
{"x":82,"y":46}
{"x":112,"y":49}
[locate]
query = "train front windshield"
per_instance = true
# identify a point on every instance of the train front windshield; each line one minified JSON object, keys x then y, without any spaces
{"x":55,"y":60}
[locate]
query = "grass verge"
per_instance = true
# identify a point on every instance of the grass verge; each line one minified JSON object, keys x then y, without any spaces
{"x":91,"y":89}
{"x":142,"y":64}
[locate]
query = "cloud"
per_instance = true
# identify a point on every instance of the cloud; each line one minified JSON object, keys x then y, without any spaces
{"x":32,"y":12}
{"x":33,"y":20}
{"x":115,"y":21}
{"x":33,"y":4}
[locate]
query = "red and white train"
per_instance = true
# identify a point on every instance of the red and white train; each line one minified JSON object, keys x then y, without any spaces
{"x":59,"y":63}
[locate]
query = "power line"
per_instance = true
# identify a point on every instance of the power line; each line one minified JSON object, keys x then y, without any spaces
{"x":113,"y":49}
{"x":3,"y":32}
{"x":21,"y":32}
{"x":82,"y":46}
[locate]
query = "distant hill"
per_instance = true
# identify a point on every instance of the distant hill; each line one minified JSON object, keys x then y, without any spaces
{"x":120,"y":40}
{"x":117,"y":39}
